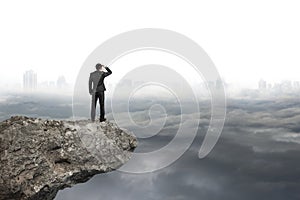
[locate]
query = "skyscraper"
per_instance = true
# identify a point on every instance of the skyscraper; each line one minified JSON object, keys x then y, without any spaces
{"x":262,"y":84}
{"x":30,"y":80}
{"x":61,"y":82}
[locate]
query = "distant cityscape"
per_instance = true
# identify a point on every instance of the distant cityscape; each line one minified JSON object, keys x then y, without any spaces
{"x":30,"y":82}
{"x":284,"y":85}
{"x":264,"y":88}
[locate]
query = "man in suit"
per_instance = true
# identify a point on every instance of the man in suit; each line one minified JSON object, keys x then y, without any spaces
{"x":97,"y":88}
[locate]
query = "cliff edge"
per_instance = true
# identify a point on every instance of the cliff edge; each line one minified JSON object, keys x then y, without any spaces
{"x":39,"y":157}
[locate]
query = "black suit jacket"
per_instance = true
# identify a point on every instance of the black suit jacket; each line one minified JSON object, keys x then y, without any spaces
{"x":96,"y":80}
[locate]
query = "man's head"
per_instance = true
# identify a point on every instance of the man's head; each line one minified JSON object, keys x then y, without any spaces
{"x":98,"y":66}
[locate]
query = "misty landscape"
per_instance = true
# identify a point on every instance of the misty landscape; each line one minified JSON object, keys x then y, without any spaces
{"x":255,"y":157}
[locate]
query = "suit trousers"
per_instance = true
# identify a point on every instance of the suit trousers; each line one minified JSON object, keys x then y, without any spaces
{"x":95,"y":97}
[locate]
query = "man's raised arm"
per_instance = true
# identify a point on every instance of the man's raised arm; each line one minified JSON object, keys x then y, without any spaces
{"x":109,"y":72}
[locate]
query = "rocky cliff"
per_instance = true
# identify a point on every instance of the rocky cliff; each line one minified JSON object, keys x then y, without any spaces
{"x":40,"y":157}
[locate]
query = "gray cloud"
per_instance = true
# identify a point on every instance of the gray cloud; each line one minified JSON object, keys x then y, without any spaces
{"x":255,"y":158}
{"x":36,"y":105}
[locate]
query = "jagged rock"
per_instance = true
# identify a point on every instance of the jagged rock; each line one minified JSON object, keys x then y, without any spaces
{"x":40,"y":157}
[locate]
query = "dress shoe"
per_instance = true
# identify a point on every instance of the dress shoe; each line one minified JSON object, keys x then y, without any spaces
{"x":102,"y":120}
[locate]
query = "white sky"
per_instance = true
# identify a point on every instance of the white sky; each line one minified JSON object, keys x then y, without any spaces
{"x":154,"y":57}
{"x":247,"y":40}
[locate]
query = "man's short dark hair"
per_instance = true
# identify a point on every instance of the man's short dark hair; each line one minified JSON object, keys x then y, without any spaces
{"x":98,"y":66}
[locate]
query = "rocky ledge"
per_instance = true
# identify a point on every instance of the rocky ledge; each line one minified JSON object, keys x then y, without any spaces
{"x":40,"y":157}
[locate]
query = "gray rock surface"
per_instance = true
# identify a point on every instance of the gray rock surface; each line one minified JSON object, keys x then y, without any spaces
{"x":40,"y":157}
